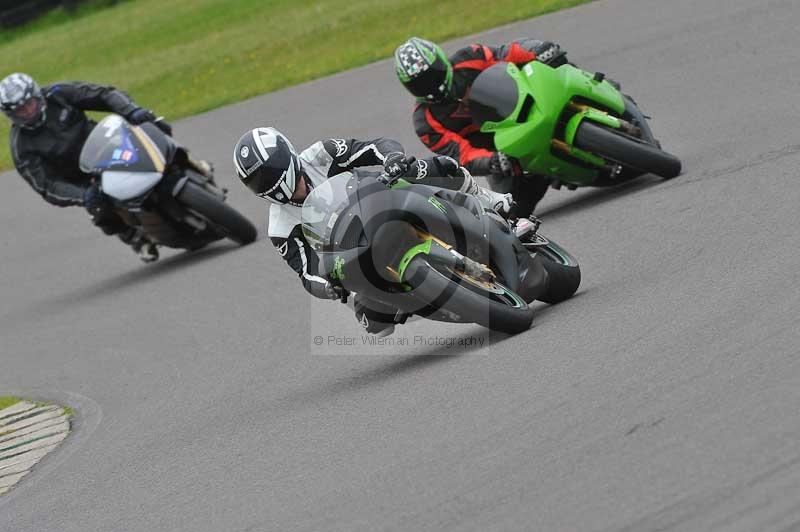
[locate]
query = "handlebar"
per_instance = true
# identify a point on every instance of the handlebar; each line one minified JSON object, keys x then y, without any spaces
{"x":387,"y":180}
{"x":163,"y":125}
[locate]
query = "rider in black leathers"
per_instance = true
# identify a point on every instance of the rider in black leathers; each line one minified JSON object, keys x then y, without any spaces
{"x":49,"y":128}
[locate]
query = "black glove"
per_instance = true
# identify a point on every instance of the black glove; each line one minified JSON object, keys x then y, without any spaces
{"x":164,"y":126}
{"x":449,"y":167}
{"x":93,"y":200}
{"x":334,"y":291}
{"x":396,"y":164}
{"x":550,"y":53}
{"x":501,"y":165}
{"x":140,"y":116}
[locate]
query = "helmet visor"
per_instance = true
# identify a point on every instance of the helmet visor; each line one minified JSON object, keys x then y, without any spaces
{"x":28,"y":112}
{"x":276,"y":180}
{"x":283,"y":189}
{"x":431,"y":85}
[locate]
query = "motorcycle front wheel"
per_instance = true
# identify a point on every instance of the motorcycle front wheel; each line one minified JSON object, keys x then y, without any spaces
{"x":234,"y":225}
{"x":489,"y":304}
{"x":625,"y":150}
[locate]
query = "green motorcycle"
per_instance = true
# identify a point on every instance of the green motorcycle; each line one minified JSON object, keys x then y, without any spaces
{"x":574,"y":127}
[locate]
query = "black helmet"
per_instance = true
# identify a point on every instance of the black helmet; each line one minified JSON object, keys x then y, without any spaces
{"x":267,"y":164}
{"x":22,"y":100}
{"x":424,"y":70}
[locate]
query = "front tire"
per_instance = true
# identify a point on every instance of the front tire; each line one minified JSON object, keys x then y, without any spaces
{"x":220,"y":214}
{"x":626,"y":150}
{"x":491,"y":305}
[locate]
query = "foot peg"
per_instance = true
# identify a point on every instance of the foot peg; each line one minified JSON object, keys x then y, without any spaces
{"x":204,"y":168}
{"x":525,"y":229}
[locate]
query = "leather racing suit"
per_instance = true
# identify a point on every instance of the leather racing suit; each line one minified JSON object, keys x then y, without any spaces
{"x":446,"y":127}
{"x":47,"y":157}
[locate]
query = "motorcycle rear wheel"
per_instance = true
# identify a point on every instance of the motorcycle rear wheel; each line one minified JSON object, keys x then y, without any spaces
{"x":563,"y":272}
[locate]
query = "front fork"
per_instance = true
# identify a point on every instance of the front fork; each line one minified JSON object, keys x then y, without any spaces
{"x":585,"y":112}
{"x":445,"y":254}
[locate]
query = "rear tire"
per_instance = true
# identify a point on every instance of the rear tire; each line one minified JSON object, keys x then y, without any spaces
{"x":625,"y":150}
{"x":435,"y":286}
{"x":220,"y":214}
{"x":563,"y":272}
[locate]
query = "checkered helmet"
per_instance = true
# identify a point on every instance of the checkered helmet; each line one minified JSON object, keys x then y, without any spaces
{"x":424,"y":70}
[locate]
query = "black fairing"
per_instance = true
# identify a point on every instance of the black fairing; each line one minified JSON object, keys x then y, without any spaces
{"x":493,"y":96}
{"x":373,"y":215}
{"x":165,"y":144}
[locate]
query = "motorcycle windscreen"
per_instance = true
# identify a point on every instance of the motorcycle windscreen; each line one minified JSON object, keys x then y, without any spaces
{"x":493,"y":96}
{"x":116,"y":145}
{"x":322,"y":206}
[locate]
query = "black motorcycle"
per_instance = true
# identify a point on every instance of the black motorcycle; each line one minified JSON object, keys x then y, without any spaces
{"x":434,"y":252}
{"x":156,"y":190}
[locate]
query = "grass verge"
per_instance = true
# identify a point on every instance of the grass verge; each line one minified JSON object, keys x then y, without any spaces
{"x":188,"y":56}
{"x":7,"y":400}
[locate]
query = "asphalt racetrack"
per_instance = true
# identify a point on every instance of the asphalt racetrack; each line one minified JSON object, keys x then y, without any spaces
{"x":664,"y":396}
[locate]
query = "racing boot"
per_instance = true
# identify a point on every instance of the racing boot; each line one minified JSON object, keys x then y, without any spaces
{"x":148,"y":252}
{"x":140,"y":244}
{"x":377,"y":318}
{"x":528,"y":191}
{"x":502,"y":203}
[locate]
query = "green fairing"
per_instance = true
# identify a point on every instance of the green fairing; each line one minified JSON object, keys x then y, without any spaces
{"x":425,"y":247}
{"x":552,"y":90}
{"x":592,"y":114}
{"x":572,"y":128}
